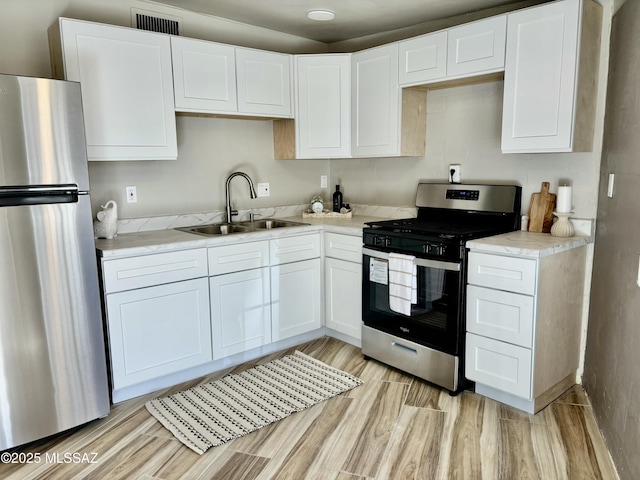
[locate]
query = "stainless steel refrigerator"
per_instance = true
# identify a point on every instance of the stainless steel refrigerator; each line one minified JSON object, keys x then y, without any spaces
{"x":52,"y":357}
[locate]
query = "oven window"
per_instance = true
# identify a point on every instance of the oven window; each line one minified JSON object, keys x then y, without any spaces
{"x":434,"y":318}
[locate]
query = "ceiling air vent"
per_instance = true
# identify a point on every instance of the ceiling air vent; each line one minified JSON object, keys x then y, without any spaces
{"x":154,"y":22}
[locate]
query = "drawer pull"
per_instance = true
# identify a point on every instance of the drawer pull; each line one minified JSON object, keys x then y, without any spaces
{"x":404,"y":347}
{"x":500,"y":272}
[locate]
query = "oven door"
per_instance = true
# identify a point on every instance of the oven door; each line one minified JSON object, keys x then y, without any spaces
{"x":435,"y":320}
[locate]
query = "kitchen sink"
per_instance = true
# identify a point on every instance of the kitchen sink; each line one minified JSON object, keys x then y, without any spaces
{"x":240,"y":227}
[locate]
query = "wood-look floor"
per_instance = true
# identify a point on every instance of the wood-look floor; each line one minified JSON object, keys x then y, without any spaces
{"x":392,"y":427}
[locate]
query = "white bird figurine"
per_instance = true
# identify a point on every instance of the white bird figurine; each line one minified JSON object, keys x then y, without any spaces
{"x":106,"y":225}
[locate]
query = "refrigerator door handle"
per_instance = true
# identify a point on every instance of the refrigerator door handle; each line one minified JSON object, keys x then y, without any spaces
{"x":12,"y":196}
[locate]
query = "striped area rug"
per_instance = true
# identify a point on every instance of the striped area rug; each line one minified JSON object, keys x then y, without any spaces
{"x":214,"y":413}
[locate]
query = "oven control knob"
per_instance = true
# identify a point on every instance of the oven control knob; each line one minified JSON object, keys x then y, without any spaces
{"x":387,"y":241}
{"x":377,"y":240}
{"x":434,"y":249}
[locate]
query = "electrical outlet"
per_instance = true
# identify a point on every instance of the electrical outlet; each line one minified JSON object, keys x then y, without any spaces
{"x":263,"y":190}
{"x":455,"y":173}
{"x":323,"y":181}
{"x":132,"y":194}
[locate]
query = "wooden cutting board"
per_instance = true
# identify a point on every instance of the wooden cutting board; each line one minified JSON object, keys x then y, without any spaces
{"x":541,"y":210}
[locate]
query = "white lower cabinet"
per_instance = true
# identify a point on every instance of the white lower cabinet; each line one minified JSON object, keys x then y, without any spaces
{"x":240,"y":313}
{"x":295,"y":298}
{"x":343,"y":284}
{"x":158,"y":330}
{"x":524,"y":317}
{"x":157,"y":314}
{"x":296,"y":285}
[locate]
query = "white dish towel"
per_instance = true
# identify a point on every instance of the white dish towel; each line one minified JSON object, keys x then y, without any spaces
{"x":402,"y":282}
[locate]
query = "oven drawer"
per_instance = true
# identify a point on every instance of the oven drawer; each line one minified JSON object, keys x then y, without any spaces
{"x":499,"y":365}
{"x":504,"y":273}
{"x":343,"y":247}
{"x":501,"y":315}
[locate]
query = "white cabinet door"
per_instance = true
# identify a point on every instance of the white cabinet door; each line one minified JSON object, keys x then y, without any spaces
{"x":158,"y":330}
{"x":295,"y":298}
{"x":264,"y":82}
{"x":476,"y":48}
{"x":127,"y":90}
{"x":323,"y":105}
{"x":240,"y":313}
{"x":375,"y":102}
{"x":540,"y":78}
{"x":343,"y":296}
{"x":423,"y":59}
{"x":204,"y":76}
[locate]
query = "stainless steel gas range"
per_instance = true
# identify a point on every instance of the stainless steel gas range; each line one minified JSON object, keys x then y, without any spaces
{"x":414,"y":277}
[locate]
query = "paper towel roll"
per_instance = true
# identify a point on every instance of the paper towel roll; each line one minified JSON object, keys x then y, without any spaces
{"x":563,"y":200}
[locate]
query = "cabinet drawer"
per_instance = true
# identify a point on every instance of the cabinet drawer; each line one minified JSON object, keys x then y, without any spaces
{"x":343,"y":247}
{"x":295,"y":249}
{"x":499,"y":365}
{"x":505,"y":273}
{"x":501,"y":315}
{"x":137,"y":272}
{"x":235,"y":258}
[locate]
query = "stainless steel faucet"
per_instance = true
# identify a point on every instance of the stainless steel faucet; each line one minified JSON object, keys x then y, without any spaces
{"x":230,"y":211}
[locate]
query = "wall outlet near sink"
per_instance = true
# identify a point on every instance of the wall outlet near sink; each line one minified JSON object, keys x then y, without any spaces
{"x":263,"y":190}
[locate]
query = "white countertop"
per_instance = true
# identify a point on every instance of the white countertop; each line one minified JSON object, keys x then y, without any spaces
{"x":527,"y":244}
{"x":157,"y":241}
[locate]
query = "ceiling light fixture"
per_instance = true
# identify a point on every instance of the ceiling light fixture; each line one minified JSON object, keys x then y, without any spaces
{"x":321,"y":15}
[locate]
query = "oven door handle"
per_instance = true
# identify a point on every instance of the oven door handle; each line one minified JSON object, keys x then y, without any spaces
{"x":421,"y":262}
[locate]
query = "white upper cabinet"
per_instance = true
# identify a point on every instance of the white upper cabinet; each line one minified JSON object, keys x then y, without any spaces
{"x":127,"y":88}
{"x":386,"y":121}
{"x":423,"y":59}
{"x":551,"y":77}
{"x":375,"y":102}
{"x":264,"y":83}
{"x":476,"y":48}
{"x":204,"y":76}
{"x":323,"y":96}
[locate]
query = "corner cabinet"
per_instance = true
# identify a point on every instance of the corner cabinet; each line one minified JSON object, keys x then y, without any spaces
{"x":127,"y":88}
{"x":322,"y":125}
{"x":387,"y":121}
{"x":524,"y":324}
{"x":551,"y":77}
